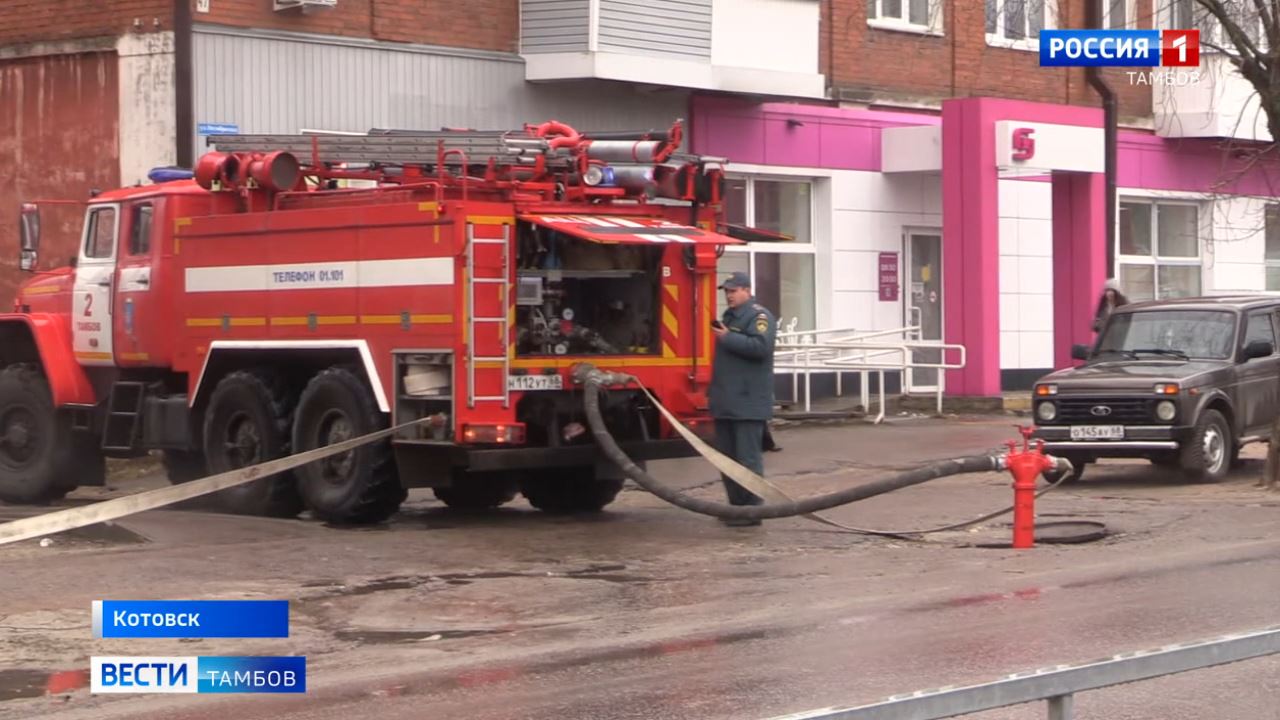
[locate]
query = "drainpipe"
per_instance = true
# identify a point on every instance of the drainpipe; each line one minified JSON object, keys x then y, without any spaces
{"x":1093,"y":19}
{"x":182,"y":83}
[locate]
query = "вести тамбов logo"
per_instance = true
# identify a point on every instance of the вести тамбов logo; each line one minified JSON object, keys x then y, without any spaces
{"x":1173,"y":55}
{"x":188,"y":619}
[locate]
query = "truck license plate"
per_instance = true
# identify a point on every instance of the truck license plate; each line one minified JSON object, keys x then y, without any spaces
{"x":535,"y":382}
{"x":1097,"y":432}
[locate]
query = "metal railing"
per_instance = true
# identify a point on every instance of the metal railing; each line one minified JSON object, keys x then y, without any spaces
{"x":842,"y":350}
{"x":1058,"y":685}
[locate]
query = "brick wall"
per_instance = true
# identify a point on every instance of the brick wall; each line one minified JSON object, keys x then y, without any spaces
{"x":54,"y":150}
{"x":25,"y":21}
{"x":478,"y":24}
{"x":869,"y":62}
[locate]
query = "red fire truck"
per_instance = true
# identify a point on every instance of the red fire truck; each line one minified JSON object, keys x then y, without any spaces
{"x":295,"y":291}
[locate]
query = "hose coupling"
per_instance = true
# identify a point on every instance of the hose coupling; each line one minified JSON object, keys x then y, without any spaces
{"x":586,"y":373}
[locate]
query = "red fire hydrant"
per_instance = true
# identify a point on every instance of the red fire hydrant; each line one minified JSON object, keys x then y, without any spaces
{"x":1026,"y":466}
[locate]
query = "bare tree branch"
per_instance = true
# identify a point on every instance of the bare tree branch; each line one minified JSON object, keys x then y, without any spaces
{"x":1254,"y":65}
{"x":1268,"y":23}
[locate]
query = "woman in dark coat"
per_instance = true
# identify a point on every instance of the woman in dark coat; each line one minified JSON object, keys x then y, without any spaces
{"x":1111,"y":299}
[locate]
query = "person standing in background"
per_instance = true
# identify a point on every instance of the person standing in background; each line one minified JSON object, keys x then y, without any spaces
{"x":1111,"y":299}
{"x":741,"y":393}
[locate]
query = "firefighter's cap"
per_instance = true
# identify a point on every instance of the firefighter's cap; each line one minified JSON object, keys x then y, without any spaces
{"x":735,"y":281}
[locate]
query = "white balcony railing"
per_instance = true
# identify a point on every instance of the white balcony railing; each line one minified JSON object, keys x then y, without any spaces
{"x":752,"y":46}
{"x":1213,"y":102}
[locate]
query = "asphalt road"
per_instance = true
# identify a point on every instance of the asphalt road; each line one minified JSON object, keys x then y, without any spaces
{"x":648,"y":611}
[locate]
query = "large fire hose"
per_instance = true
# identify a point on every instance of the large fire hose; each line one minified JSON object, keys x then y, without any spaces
{"x":778,"y":504}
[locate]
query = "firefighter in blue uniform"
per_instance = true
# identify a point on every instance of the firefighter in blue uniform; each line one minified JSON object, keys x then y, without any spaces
{"x":741,"y":393}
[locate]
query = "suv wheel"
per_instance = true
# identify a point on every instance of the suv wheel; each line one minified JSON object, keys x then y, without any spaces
{"x":1206,"y":456}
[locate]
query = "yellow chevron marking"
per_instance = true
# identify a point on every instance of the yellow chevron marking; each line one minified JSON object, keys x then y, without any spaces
{"x":669,"y":322}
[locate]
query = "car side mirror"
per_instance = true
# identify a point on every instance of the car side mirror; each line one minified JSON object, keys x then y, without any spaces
{"x":29,"y":236}
{"x":1258,"y":349}
{"x":1080,"y":352}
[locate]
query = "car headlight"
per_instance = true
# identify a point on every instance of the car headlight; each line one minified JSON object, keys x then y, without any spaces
{"x":1046,"y":411}
{"x":1166,"y":410}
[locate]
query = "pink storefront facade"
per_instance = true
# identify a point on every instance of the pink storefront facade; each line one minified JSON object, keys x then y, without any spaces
{"x":959,"y":165}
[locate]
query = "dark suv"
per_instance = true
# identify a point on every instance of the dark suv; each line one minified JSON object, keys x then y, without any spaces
{"x":1184,"y":383}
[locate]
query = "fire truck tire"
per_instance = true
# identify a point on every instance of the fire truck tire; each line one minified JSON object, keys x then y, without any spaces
{"x":34,"y":467}
{"x":247,"y":423}
{"x":567,"y":492}
{"x":358,"y":487}
{"x":480,"y":491}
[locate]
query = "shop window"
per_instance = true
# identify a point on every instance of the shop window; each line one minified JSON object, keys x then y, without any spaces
{"x":1159,"y":249}
{"x":923,"y":16}
{"x":1273,"y":248}
{"x":781,"y":268}
{"x":1017,"y":23}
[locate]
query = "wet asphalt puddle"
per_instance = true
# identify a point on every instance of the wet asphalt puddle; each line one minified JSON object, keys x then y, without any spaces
{"x":25,"y":683}
{"x":16,"y":684}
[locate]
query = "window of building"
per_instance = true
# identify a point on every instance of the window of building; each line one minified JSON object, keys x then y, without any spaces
{"x":1273,"y":248}
{"x":1118,"y":14}
{"x":100,"y":238}
{"x":924,"y":16}
{"x":781,"y":271}
{"x":1017,"y":23}
{"x":1159,"y":250}
{"x":1191,"y":14}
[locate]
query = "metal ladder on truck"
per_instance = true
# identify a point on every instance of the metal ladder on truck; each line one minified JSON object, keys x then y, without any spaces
{"x":475,"y":321}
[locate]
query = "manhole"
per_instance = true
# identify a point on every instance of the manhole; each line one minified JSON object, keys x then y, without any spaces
{"x":1060,"y":532}
{"x":1068,"y":532}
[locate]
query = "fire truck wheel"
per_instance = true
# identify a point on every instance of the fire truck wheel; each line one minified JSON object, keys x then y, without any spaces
{"x":357,"y":487}
{"x":478,"y":491}
{"x":572,"y":491}
{"x":32,"y":468}
{"x":247,"y":423}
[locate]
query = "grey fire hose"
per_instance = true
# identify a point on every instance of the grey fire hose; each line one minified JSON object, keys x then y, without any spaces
{"x":596,"y":381}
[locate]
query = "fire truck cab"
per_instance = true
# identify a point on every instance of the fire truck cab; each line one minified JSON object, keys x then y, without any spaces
{"x":291,"y":292}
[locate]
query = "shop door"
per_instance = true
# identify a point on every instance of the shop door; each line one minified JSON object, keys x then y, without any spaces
{"x":924,"y":305}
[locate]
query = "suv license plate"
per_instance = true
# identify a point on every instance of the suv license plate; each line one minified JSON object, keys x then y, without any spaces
{"x":1097,"y":432}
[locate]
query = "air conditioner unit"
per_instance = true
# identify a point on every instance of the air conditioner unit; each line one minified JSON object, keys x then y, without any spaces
{"x":306,"y":5}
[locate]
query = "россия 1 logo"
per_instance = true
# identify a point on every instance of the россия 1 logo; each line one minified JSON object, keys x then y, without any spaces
{"x":1125,"y":48}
